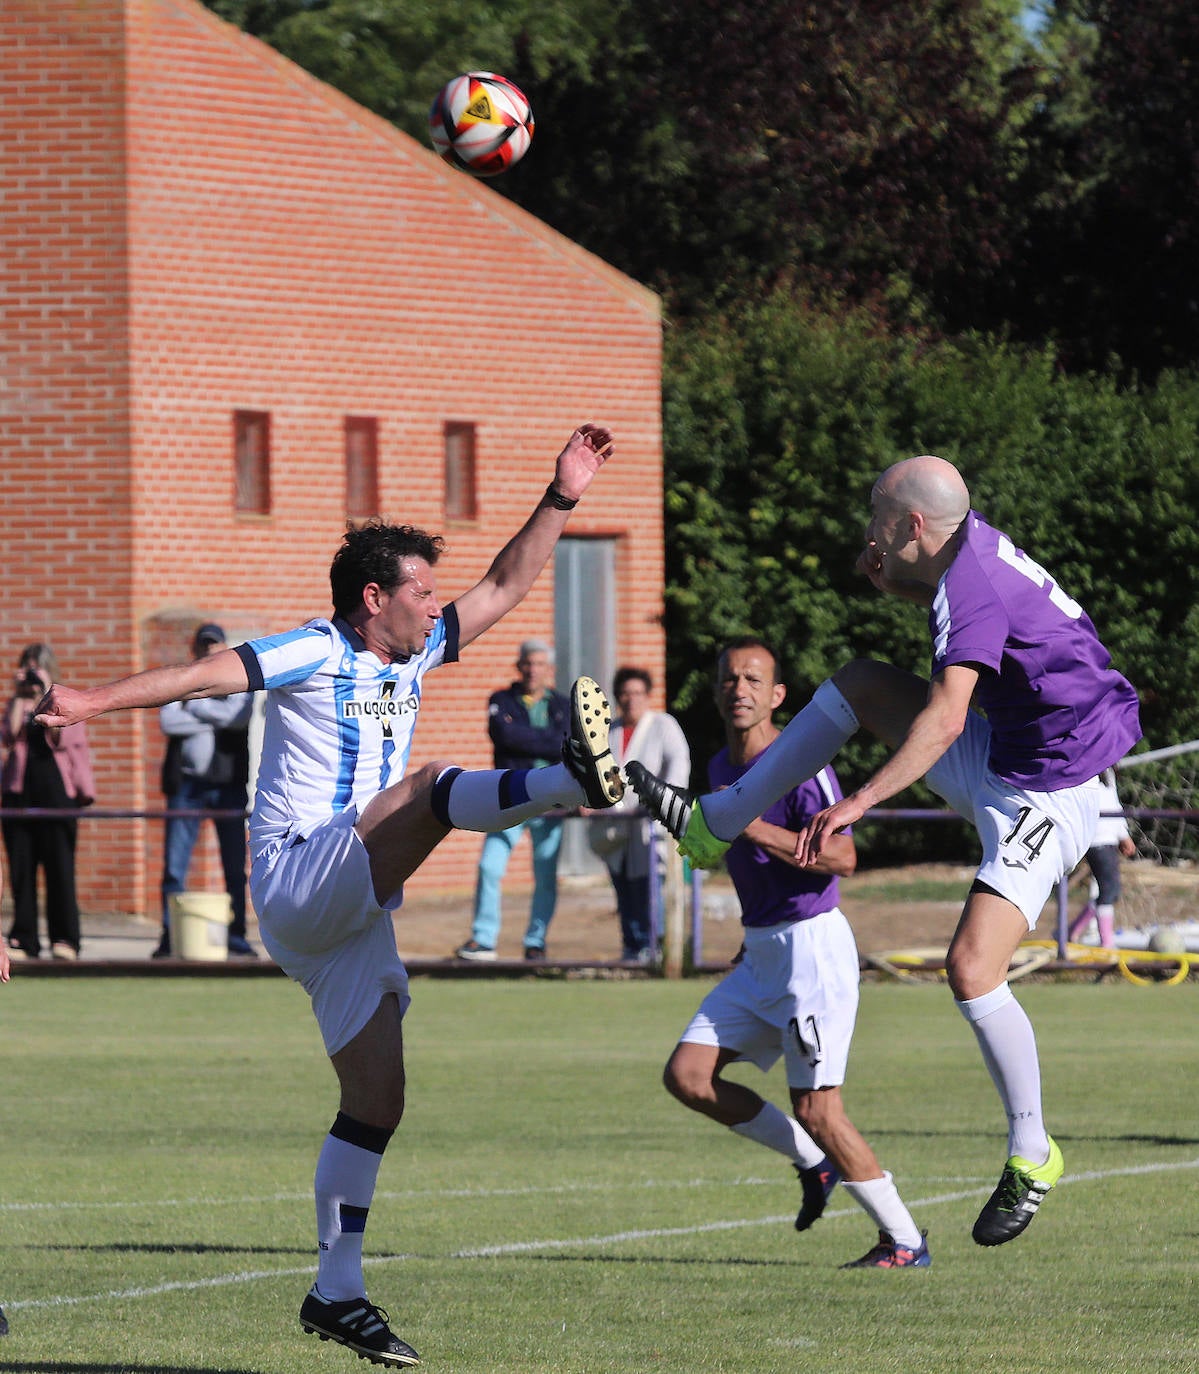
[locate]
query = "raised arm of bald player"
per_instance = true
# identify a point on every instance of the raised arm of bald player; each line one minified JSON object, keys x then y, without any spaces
{"x":932,"y":730}
{"x":220,"y":674}
{"x":516,"y":566}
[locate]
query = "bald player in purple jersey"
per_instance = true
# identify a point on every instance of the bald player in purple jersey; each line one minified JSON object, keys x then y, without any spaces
{"x":1008,"y":641}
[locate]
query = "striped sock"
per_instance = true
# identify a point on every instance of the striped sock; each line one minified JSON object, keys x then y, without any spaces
{"x":344,"y":1186}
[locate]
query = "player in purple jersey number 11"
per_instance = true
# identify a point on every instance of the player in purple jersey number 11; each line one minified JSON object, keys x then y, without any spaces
{"x":1009,"y":641}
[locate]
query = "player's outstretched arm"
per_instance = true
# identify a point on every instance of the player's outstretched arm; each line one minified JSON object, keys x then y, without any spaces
{"x":219,"y":675}
{"x":516,"y":566}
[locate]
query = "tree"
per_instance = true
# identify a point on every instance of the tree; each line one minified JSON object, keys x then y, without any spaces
{"x":777,"y":419}
{"x":1111,"y":266}
{"x":855,"y":145}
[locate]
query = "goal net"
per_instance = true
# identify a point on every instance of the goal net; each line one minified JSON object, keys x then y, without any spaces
{"x":1161,"y":791}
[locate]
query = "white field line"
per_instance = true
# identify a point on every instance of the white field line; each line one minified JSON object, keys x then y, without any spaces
{"x":525,"y":1247}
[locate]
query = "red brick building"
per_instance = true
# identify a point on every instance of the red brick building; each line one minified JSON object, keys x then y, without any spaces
{"x":238,"y":309}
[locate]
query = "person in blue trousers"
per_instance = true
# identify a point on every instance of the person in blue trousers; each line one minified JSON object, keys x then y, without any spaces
{"x":207,"y":768}
{"x":526,"y":721}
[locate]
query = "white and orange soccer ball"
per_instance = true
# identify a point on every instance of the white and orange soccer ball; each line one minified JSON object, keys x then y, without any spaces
{"x":482,"y":123}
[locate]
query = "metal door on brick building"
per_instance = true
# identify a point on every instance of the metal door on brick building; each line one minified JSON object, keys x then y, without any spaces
{"x":584,"y":644}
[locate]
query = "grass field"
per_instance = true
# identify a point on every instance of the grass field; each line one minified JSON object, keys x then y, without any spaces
{"x":546,"y":1207}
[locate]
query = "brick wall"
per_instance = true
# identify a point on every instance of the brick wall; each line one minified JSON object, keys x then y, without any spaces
{"x":219,"y":231}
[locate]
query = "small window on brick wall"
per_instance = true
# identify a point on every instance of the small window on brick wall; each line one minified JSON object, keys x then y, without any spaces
{"x":362,"y":466}
{"x":252,"y":461}
{"x":460,"y":502}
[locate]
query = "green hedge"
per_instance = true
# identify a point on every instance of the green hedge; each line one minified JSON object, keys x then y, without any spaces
{"x":777,"y":420}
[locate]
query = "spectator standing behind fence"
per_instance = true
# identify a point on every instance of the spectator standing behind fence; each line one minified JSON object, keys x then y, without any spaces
{"x":207,"y":768}
{"x":1103,"y":858}
{"x":527,"y":722}
{"x":42,"y":768}
{"x":621,"y":837}
{"x":795,"y":990}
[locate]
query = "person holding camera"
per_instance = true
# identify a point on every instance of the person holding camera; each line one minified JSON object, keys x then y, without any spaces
{"x":42,"y":768}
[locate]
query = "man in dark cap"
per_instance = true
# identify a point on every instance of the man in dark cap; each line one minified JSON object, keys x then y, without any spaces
{"x":207,"y":768}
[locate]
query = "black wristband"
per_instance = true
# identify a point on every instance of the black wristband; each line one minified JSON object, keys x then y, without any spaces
{"x":557,"y":500}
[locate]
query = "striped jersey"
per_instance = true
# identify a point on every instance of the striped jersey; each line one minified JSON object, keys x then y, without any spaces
{"x":339,"y":722}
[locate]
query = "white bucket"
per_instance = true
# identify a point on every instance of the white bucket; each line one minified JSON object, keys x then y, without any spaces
{"x":200,"y":925}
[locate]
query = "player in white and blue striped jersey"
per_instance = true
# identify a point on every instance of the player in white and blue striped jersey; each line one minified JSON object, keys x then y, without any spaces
{"x":339,"y":824}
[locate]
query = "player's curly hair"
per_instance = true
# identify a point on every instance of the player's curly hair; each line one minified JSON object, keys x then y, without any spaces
{"x":374,"y":552}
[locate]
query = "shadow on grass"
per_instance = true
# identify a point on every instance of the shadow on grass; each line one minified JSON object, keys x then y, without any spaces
{"x":722,"y":1261}
{"x":58,"y":1367}
{"x":1063,"y":1138}
{"x":179,"y":1248}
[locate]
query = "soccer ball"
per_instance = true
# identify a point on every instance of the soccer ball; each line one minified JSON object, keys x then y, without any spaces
{"x":481,"y":122}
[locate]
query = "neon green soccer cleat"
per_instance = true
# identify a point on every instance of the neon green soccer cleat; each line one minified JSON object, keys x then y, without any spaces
{"x":680,"y":812}
{"x":1013,"y":1204}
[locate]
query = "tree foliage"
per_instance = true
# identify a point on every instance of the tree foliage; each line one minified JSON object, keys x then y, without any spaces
{"x":778,"y":418}
{"x":858,"y":145}
{"x":1111,"y":265}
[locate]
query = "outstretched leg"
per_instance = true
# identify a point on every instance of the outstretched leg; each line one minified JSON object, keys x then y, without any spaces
{"x":876,"y":696}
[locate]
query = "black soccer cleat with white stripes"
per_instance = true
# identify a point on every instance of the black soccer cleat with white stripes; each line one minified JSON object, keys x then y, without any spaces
{"x":671,"y":805}
{"x":358,"y":1325}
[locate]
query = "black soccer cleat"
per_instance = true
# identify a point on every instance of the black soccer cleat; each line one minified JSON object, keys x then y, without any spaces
{"x":586,"y":751}
{"x":817,"y":1183}
{"x":3,"y":1323}
{"x":663,"y":800}
{"x":1022,"y":1188}
{"x":358,"y":1325}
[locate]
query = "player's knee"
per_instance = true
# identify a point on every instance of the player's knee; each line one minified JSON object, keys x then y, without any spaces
{"x":969,"y":975}
{"x":855,"y":679}
{"x":817,"y":1110}
{"x":685,"y":1082}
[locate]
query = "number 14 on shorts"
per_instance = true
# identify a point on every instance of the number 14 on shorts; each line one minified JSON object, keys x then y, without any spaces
{"x":1029,"y":832}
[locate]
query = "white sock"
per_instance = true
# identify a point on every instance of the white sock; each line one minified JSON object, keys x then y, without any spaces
{"x":1009,"y":1048}
{"x":344,"y":1186}
{"x":778,"y":1131}
{"x":879,"y":1199}
{"x":499,"y":798}
{"x":809,"y":741}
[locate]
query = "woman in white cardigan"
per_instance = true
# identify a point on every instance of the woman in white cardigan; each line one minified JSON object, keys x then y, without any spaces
{"x":621,"y":835}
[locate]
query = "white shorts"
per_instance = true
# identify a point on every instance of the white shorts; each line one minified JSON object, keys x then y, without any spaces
{"x":1029,"y":839}
{"x":320,"y":922}
{"x":795,"y":993}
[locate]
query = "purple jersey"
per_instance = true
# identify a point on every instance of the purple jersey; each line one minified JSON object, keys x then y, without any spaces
{"x":771,"y":891}
{"x":1059,"y":712}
